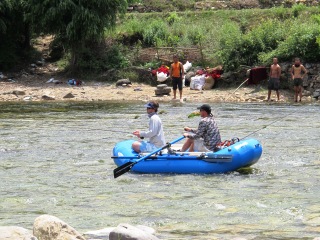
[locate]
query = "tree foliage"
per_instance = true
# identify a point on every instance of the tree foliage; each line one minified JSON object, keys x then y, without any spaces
{"x":74,"y":22}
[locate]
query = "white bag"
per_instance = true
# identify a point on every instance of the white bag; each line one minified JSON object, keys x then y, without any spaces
{"x":161,"y":77}
{"x":197,"y":82}
{"x":187,"y":66}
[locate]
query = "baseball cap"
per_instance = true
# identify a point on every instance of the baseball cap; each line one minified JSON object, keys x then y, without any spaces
{"x":151,"y":105}
{"x":205,"y":107}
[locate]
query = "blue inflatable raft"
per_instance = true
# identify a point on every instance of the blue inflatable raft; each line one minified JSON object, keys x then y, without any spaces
{"x":241,"y":154}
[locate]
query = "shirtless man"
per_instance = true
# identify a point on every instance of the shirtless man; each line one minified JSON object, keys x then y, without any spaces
{"x":297,"y":77}
{"x":274,"y":80}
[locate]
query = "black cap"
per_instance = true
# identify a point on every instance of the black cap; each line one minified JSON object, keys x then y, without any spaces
{"x":205,"y":107}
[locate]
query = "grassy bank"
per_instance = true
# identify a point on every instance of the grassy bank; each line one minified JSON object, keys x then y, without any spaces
{"x":229,"y":37}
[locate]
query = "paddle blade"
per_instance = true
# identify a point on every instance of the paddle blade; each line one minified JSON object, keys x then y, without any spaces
{"x":123,"y":169}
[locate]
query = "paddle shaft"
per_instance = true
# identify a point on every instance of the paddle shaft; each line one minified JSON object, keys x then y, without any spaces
{"x":127,"y":166}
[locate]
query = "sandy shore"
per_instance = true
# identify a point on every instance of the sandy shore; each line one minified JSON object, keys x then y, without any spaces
{"x":37,"y":89}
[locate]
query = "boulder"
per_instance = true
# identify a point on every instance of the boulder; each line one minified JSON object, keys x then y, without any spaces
{"x":18,"y":92}
{"x":129,"y":232}
{"x":69,"y":95}
{"x":99,"y":234}
{"x":47,"y":227}
{"x":209,"y":83}
{"x":46,"y":97}
{"x":316,"y":94}
{"x":16,"y":233}
{"x":123,"y":81}
{"x":162,"y":86}
{"x":164,"y":91}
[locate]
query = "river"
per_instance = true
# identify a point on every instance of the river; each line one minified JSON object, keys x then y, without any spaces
{"x":55,"y":158}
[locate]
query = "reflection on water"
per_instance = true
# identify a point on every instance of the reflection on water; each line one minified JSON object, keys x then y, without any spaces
{"x":55,"y":159}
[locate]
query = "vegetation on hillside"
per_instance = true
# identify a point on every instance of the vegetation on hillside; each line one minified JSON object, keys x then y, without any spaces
{"x":76,"y":25}
{"x":228,"y":37}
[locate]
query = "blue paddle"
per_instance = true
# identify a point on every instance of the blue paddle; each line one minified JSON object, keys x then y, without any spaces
{"x":127,"y":166}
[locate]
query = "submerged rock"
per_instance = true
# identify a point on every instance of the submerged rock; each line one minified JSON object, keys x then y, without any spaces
{"x":16,"y":233}
{"x":99,"y":234}
{"x":129,"y":232}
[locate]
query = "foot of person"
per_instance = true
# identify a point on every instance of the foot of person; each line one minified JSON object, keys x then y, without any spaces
{"x":181,"y":100}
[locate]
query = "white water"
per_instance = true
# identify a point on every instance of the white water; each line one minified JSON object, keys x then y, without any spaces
{"x":55,"y":159}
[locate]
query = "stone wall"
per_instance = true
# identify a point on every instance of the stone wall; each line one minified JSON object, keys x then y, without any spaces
{"x":311,"y":82}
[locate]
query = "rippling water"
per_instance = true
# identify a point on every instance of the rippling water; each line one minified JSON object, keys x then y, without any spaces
{"x":55,"y":159}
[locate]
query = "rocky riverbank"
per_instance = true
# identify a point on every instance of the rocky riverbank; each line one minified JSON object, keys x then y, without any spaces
{"x":47,"y":227}
{"x":39,"y":89}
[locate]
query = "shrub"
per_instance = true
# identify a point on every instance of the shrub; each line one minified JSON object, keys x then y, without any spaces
{"x":156,"y":30}
{"x":100,"y":58}
{"x":300,"y":41}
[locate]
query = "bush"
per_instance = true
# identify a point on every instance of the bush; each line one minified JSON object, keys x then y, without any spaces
{"x":300,"y":42}
{"x":100,"y":58}
{"x":156,"y":30}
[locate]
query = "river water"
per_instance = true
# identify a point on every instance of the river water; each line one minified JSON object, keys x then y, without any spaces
{"x":55,"y":159}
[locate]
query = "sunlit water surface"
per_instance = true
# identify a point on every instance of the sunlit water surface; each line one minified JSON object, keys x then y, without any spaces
{"x":55,"y":158}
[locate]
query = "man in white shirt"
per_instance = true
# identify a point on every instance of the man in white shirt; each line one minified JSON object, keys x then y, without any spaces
{"x":155,"y":132}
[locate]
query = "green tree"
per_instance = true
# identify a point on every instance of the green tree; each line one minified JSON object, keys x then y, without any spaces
{"x":5,"y":7}
{"x":75,"y":23}
{"x":14,"y":32}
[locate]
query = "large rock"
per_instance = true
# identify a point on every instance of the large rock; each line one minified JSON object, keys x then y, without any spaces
{"x":46,"y":97}
{"x":18,"y":92}
{"x":123,"y":81}
{"x":15,"y":233}
{"x":188,"y":77}
{"x":47,"y":227}
{"x":129,"y":232}
{"x":69,"y":95}
{"x":99,"y":234}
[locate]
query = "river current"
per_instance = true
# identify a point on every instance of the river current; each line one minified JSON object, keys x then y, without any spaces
{"x":55,"y":158}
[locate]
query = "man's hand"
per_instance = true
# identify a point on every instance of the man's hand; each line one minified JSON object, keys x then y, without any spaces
{"x":136,"y":133}
{"x":187,"y":129}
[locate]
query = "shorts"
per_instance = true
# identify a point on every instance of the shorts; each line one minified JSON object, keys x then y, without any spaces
{"x":273,"y":84}
{"x":297,"y":82}
{"x":147,"y":147}
{"x":177,"y":83}
{"x":200,"y":147}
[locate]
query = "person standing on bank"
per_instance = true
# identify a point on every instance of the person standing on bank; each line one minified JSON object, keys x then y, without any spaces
{"x":298,"y":72}
{"x":176,"y":74}
{"x":155,"y":132}
{"x":207,"y":130}
{"x":274,"y":79}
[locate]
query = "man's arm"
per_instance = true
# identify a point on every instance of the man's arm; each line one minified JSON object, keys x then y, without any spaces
{"x":292,"y":72}
{"x":154,"y":128}
{"x":270,"y":73}
{"x":279,"y":71}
